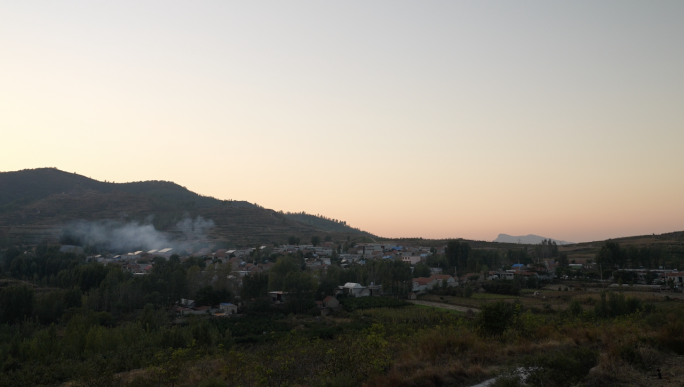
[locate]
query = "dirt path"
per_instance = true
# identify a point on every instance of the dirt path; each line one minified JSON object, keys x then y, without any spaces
{"x":443,"y":306}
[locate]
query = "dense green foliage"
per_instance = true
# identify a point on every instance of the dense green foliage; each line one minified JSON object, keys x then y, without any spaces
{"x":64,"y":319}
{"x":16,"y":304}
{"x":612,"y":255}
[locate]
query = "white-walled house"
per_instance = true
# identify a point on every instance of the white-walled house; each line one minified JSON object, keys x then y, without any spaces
{"x":355,"y":289}
{"x":411,"y":259}
{"x":423,"y":285}
{"x":228,"y":308}
{"x":444,"y":279}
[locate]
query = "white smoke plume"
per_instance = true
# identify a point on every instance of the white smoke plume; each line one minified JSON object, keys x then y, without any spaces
{"x":195,"y":229}
{"x":119,"y":236}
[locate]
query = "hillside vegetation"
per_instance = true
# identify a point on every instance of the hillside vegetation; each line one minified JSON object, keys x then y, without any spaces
{"x":325,"y":224}
{"x":37,"y":204}
{"x":23,"y":187}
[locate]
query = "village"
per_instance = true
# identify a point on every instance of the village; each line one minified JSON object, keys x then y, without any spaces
{"x":238,"y":263}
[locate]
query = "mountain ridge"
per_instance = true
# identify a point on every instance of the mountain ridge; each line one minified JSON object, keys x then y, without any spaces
{"x":36,"y":204}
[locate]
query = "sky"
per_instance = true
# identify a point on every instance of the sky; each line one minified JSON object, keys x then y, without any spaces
{"x":438,"y":119}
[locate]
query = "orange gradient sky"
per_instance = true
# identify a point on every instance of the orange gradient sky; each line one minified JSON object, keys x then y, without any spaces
{"x":433,"y":119}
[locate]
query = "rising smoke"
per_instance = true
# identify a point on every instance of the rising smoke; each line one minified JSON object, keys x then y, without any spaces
{"x":195,"y":229}
{"x":119,"y":236}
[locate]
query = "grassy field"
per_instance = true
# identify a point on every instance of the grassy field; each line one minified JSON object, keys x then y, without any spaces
{"x":490,"y":296}
{"x":456,"y":312}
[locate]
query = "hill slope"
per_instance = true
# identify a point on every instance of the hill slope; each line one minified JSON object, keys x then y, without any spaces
{"x":26,"y":186}
{"x":36,"y":205}
{"x":325,"y":224}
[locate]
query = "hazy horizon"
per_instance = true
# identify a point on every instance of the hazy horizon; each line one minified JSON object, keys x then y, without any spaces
{"x":435,"y":120}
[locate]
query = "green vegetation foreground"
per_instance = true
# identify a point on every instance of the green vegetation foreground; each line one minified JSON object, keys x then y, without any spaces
{"x":620,"y":342}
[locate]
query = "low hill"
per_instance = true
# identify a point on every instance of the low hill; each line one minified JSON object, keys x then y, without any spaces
{"x":527,"y":239}
{"x":26,"y":186}
{"x":37,"y":205}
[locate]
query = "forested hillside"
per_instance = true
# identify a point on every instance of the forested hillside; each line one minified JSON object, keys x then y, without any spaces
{"x":325,"y":224}
{"x":36,"y":205}
{"x":23,"y":187}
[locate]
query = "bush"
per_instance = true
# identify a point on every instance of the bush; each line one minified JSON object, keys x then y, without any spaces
{"x":493,"y":319}
{"x":671,"y":336}
{"x":16,"y":303}
{"x":615,"y":305}
{"x":468,"y":291}
{"x":562,"y":368}
{"x":213,"y":382}
{"x":502,"y":287}
{"x":575,"y":308}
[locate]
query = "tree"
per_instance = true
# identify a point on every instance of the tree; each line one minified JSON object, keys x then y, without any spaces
{"x":611,"y":255}
{"x":328,"y":282}
{"x":277,"y":273}
{"x":170,"y":365}
{"x":315,"y":240}
{"x":300,"y":287}
{"x":16,"y":304}
{"x":328,"y":238}
{"x":210,"y":296}
{"x":452,"y":253}
{"x":293,"y":241}
{"x":151,"y":318}
{"x":457,"y":254}
{"x":421,"y":270}
{"x":254,"y":286}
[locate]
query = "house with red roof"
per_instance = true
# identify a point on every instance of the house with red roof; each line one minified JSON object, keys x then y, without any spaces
{"x":422,"y":285}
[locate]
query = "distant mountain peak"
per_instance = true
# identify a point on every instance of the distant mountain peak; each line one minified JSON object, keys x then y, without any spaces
{"x":529,"y":239}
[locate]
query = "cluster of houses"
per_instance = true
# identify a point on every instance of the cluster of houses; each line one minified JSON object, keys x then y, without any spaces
{"x":133,"y":256}
{"x":360,"y":253}
{"x":331,"y":303}
{"x":316,"y":257}
{"x":187,"y":307}
{"x":423,"y":285}
{"x":520,"y":270}
{"x":350,"y":289}
{"x":659,"y":276}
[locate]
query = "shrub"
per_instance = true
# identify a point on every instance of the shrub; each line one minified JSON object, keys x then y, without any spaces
{"x":575,"y":308}
{"x":468,"y":291}
{"x":615,"y":305}
{"x":494,"y":318}
{"x":508,"y":381}
{"x":16,"y":303}
{"x":561,"y":368}
{"x":502,"y":287}
{"x":671,"y":335}
{"x":213,"y":382}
